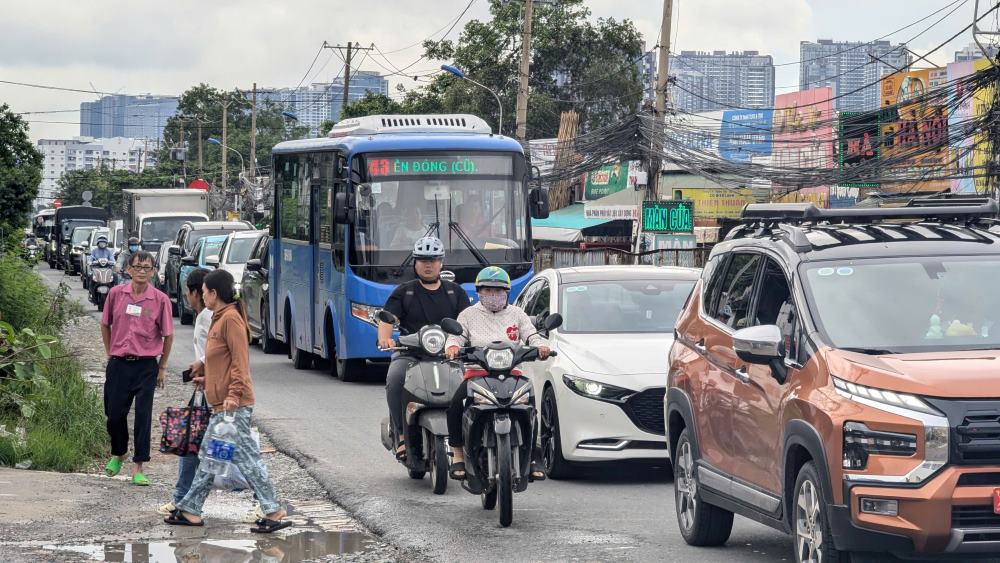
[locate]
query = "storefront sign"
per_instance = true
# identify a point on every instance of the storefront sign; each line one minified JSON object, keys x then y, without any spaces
{"x":668,"y":216}
{"x":613,"y":212}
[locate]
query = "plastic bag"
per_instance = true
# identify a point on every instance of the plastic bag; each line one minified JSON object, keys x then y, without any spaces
{"x":234,"y":480}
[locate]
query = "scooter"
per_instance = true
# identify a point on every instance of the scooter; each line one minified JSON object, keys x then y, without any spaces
{"x":102,"y":279}
{"x":430,"y":383}
{"x":499,"y":424}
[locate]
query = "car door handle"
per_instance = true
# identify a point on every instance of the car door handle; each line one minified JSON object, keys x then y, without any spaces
{"x":742,"y":375}
{"x":700,"y":346}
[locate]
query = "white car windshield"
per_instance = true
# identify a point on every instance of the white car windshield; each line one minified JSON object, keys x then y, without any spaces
{"x":623,"y":306}
{"x":239,"y":250}
{"x":907,"y":304}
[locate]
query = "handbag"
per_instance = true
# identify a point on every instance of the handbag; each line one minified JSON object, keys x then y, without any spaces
{"x":184,"y":427}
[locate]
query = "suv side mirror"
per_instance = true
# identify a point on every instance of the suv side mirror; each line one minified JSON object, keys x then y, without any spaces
{"x":174,"y":251}
{"x":212,"y":260}
{"x":538,"y":203}
{"x":189,"y":261}
{"x":762,"y":345}
{"x":253,"y":265}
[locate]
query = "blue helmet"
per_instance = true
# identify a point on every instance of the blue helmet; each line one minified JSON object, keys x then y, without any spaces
{"x":493,"y":276}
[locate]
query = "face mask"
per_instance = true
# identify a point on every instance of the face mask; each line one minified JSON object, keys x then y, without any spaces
{"x":494,"y":303}
{"x":101,"y":245}
{"x":133,"y":248}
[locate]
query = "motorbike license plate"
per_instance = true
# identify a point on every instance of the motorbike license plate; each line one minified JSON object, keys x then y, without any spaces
{"x":996,"y":501}
{"x":102,"y":289}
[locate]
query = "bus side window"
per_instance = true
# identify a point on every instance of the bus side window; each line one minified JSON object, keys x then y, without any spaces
{"x":338,"y":232}
{"x":292,"y":223}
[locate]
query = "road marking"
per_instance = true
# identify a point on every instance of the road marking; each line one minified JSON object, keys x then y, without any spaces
{"x":7,"y":495}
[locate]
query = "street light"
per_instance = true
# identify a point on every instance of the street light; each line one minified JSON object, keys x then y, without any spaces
{"x":243,"y":169}
{"x":458,"y":72}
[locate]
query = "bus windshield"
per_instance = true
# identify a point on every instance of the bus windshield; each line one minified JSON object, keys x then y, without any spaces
{"x":450,"y":197}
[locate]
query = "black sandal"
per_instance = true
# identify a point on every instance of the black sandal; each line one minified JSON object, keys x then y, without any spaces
{"x":176,"y":518}
{"x":536,"y":472}
{"x":267,"y":526}
{"x":455,"y":468}
{"x":401,"y":453}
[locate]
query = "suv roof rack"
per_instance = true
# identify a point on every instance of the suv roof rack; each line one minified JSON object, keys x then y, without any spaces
{"x":952,"y":211}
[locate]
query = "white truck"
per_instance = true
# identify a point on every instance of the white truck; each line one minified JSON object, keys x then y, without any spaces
{"x":155,"y":215}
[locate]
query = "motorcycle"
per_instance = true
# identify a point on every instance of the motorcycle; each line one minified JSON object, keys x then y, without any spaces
{"x":431,"y":382}
{"x":499,"y":424}
{"x":31,"y":252}
{"x":102,"y":279}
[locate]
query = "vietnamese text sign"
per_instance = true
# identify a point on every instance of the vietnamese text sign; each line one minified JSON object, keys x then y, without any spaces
{"x":614,"y":212}
{"x":606,"y":180}
{"x":745,"y":134}
{"x":668,"y":216}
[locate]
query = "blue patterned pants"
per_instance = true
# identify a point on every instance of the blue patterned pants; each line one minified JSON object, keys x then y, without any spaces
{"x":247,"y":459}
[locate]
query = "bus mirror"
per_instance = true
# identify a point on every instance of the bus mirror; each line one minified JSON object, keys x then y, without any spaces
{"x":538,"y":200}
{"x":341,"y":210}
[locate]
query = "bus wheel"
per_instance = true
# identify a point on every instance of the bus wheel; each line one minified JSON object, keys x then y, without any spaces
{"x":350,"y":371}
{"x":300,"y":359}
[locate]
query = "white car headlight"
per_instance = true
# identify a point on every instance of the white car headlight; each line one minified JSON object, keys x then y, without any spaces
{"x":597,"y":390}
{"x":890,"y":398}
{"x":432,"y":340}
{"x":500,"y":359}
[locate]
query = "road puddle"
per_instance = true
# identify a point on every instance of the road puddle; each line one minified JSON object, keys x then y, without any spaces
{"x":297,"y":547}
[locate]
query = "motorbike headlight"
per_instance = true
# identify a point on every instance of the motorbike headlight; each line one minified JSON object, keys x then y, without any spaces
{"x":500,"y":359}
{"x":432,"y":340}
{"x":523,"y":394}
{"x":597,"y":390}
{"x":482,"y":395}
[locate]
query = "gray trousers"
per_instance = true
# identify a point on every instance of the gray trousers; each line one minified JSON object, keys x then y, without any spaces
{"x":394,"y":381}
{"x":247,"y":458}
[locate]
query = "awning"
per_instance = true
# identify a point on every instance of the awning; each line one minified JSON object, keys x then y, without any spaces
{"x":564,"y":225}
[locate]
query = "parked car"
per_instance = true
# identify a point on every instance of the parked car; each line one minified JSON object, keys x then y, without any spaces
{"x":117,"y":240}
{"x":91,"y":245}
{"x":162,"y":256}
{"x":204,"y":255}
{"x":236,"y":251}
{"x":601,"y":398}
{"x":834,"y":376}
{"x":255,"y":295}
{"x":187,"y":237}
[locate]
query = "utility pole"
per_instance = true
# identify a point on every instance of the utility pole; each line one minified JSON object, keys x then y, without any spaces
{"x":659,"y":115}
{"x":225,"y":169}
{"x":253,"y":134}
{"x":352,"y":48}
{"x":523,"y":86}
{"x":201,"y":167}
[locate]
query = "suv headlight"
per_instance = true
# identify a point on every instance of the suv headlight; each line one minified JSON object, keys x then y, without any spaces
{"x":500,"y":359}
{"x":859,"y":440}
{"x":432,"y":340}
{"x":597,"y":390}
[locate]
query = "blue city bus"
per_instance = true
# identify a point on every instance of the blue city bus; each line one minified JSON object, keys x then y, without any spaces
{"x":348,"y":208}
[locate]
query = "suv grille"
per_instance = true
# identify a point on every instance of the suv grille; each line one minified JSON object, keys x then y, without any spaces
{"x":978,"y":439}
{"x":979,"y":516}
{"x":645,"y":409}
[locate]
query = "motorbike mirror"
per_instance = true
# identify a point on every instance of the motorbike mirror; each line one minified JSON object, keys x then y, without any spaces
{"x":386,"y":317}
{"x":451,"y":326}
{"x":552,"y":321}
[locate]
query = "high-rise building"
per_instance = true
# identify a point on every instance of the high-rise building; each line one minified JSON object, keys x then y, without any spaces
{"x":87,"y":153}
{"x":316,"y":103}
{"x":136,"y":117}
{"x":647,"y":75}
{"x":720,"y":80}
{"x":972,"y":52}
{"x":852,"y":68}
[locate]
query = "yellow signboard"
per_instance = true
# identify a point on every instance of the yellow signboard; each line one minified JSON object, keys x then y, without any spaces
{"x":716,"y":203}
{"x":914,"y":129}
{"x":982,"y":100}
{"x":232,"y":216}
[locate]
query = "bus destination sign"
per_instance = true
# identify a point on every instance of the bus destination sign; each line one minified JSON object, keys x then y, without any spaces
{"x":380,"y":166}
{"x":668,"y":216}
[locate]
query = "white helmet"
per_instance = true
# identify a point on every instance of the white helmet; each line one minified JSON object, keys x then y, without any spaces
{"x":428,"y":247}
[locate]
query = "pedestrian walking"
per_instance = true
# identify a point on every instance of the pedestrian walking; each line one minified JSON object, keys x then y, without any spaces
{"x":137,"y":328}
{"x":187,"y":465}
{"x":225,"y":375}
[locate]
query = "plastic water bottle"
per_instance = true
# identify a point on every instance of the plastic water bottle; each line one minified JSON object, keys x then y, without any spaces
{"x":218,"y":456}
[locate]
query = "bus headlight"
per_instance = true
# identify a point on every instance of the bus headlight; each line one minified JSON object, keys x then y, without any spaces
{"x":365,"y":313}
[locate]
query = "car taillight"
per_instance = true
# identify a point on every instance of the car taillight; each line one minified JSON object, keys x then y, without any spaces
{"x":861,"y":441}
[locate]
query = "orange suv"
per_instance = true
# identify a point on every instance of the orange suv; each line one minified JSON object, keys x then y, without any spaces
{"x":835,"y":374}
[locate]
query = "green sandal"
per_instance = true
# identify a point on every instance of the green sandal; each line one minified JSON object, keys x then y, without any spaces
{"x":113,"y":467}
{"x":140,"y":480}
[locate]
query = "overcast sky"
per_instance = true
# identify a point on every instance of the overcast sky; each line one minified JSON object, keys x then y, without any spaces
{"x":164,"y":47}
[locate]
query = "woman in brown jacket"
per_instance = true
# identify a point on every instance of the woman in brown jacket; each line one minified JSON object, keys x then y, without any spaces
{"x":229,"y":389}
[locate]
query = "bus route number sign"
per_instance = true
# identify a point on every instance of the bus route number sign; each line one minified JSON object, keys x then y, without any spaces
{"x":444,"y":165}
{"x":668,"y":216}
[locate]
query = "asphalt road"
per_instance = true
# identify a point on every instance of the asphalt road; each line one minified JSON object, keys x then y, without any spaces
{"x":618,"y":512}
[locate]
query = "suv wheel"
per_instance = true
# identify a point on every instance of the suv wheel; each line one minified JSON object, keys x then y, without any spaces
{"x":813,"y":539}
{"x":700,"y":523}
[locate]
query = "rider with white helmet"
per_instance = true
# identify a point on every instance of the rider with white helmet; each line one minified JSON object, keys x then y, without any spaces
{"x":425,"y":300}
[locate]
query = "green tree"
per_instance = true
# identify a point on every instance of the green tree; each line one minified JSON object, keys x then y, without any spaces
{"x":580,"y":64}
{"x":20,"y":171}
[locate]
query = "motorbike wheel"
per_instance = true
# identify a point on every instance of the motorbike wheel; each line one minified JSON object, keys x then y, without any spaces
{"x":100,"y":302}
{"x":418,"y":475}
{"x":505,"y":484}
{"x":439,"y":466}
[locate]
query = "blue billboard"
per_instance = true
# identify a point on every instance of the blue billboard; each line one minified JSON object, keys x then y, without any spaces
{"x":745,"y":133}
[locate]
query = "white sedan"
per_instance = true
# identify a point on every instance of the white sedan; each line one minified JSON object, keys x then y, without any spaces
{"x":601,"y":397}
